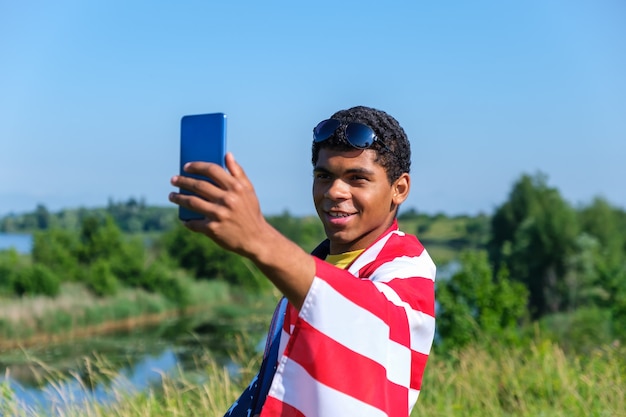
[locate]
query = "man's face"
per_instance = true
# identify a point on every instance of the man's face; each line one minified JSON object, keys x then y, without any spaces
{"x":354,"y":198}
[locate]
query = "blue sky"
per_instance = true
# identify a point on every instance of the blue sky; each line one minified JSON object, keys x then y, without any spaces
{"x":91,"y":94}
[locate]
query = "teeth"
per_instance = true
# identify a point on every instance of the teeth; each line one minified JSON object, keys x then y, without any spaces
{"x":338,"y":214}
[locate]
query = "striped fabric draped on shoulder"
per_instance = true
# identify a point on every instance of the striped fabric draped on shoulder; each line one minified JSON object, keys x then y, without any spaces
{"x":360,"y":342}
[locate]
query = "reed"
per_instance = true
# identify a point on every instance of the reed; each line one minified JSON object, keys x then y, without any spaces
{"x":208,"y":391}
{"x":538,"y":380}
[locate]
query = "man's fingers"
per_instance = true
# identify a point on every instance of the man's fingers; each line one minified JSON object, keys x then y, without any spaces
{"x":220,"y":178}
{"x":214,"y":172}
{"x":193,"y":203}
{"x":235,"y":169}
{"x":202,"y":188}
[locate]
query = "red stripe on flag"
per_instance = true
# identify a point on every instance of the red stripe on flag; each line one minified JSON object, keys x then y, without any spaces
{"x":419,"y":293}
{"x":406,"y":245}
{"x":273,"y":407}
{"x":418,"y":364}
{"x":344,"y":370}
{"x":291,"y":315}
{"x":399,"y":329}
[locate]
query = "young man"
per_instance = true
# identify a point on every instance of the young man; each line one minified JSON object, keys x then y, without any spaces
{"x":353,"y":333}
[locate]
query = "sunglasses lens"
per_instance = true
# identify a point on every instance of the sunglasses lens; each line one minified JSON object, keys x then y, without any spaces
{"x":360,"y":135}
{"x":325,"y":129}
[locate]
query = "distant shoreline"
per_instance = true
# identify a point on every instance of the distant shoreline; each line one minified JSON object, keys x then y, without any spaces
{"x":96,"y":329}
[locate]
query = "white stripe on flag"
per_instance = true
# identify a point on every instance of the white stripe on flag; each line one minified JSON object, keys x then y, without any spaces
{"x":405,"y":267}
{"x":284,"y":338}
{"x":324,"y":403}
{"x":413,"y":394}
{"x":358,"y":330}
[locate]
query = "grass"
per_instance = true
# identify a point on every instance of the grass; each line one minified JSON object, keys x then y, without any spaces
{"x":537,"y":380}
{"x":77,"y":311}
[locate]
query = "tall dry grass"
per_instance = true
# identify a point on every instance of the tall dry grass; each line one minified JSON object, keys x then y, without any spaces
{"x":208,"y":391}
{"x":537,"y":381}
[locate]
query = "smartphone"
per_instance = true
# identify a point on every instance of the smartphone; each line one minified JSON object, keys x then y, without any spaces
{"x":202,"y":138}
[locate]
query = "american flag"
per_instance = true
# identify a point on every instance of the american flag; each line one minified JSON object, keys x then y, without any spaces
{"x":360,"y":342}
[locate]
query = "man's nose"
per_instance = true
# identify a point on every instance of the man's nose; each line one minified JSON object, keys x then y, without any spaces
{"x":337,"y":190}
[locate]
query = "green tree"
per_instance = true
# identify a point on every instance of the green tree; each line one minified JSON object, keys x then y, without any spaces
{"x":583,"y":277}
{"x":606,"y":225}
{"x":42,"y":217}
{"x":56,"y":248}
{"x":533,"y":236}
{"x":100,"y":238}
{"x":473,"y":306}
{"x":128,"y":262}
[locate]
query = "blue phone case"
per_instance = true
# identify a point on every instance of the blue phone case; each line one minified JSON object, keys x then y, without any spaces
{"x":202,"y":138}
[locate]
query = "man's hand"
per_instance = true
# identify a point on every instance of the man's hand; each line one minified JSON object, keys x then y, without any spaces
{"x":233,"y":219}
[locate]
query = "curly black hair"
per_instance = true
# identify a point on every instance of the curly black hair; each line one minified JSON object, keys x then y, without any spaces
{"x":395,"y":157}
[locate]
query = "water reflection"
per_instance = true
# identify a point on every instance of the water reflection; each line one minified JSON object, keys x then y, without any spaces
{"x":95,"y":369}
{"x":102,"y":388}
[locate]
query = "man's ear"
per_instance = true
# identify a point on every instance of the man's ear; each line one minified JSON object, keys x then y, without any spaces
{"x":400,"y":189}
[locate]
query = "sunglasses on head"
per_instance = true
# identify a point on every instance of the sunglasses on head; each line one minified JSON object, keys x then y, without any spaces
{"x":358,"y":135}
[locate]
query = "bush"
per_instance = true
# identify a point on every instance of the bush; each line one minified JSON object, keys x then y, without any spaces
{"x":476,"y":306}
{"x":174,"y":290}
{"x":206,"y":260}
{"x":580,"y":331}
{"x":101,"y":279}
{"x":158,"y":278}
{"x":128,"y":263}
{"x":37,"y":279}
{"x":9,"y":266}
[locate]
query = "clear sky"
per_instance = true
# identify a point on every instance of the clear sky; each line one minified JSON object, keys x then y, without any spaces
{"x":92,"y":92}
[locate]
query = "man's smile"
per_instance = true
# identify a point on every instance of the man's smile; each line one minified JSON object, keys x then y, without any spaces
{"x":339,"y":214}
{"x":339,"y":217}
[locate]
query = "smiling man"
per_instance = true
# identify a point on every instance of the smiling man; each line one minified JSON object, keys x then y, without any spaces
{"x":354,"y":331}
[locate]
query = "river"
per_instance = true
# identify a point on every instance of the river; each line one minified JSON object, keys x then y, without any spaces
{"x":21,"y":242}
{"x":130,"y":361}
